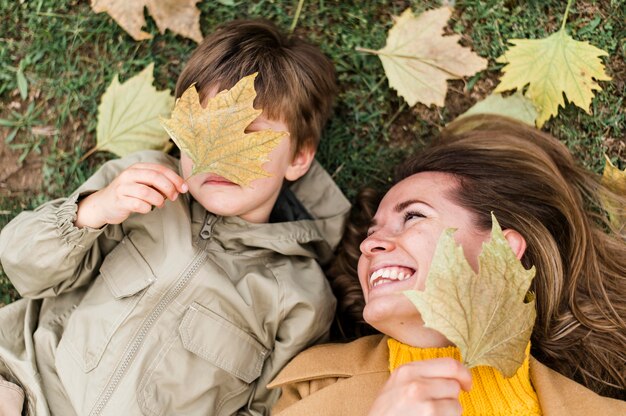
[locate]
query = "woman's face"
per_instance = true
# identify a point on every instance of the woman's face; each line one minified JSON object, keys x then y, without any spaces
{"x":401,"y":241}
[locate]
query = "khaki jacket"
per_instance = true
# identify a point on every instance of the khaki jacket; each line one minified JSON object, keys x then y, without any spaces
{"x":175,"y":312}
{"x":344,"y":380}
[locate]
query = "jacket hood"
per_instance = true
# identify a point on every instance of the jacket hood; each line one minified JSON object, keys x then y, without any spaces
{"x":316,"y":237}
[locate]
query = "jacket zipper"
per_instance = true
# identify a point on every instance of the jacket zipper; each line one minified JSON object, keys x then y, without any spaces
{"x":131,"y":350}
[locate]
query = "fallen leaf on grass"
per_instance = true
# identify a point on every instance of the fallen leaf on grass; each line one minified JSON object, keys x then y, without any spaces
{"x":515,"y":106}
{"x":486,"y":314}
{"x":180,"y":16}
{"x":552,"y":67}
{"x":615,"y":180}
{"x":128,"y":116}
{"x":214,"y":137}
{"x":418,"y":59}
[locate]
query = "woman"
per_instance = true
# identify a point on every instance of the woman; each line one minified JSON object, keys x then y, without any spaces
{"x":549,"y":210}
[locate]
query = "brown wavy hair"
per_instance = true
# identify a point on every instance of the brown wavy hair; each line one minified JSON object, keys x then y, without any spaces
{"x":532,"y":183}
{"x":349,"y":323}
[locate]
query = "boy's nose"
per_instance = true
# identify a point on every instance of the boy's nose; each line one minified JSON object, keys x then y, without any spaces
{"x":376,"y":243}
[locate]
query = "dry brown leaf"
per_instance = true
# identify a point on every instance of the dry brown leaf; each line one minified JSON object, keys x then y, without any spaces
{"x":214,"y":137}
{"x":180,"y":16}
{"x":418,"y":59}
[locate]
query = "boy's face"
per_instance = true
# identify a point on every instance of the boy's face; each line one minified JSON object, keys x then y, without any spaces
{"x":254,"y":202}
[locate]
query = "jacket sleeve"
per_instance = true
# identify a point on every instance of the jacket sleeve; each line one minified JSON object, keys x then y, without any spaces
{"x":306,"y":316}
{"x":44,"y":254}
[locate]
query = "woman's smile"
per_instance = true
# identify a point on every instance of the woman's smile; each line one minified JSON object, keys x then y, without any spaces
{"x":389,"y":274}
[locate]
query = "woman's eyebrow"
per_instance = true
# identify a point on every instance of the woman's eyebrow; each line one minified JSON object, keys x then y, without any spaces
{"x":402,"y":205}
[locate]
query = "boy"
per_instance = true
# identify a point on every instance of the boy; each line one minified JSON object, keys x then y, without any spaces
{"x":192,"y":307}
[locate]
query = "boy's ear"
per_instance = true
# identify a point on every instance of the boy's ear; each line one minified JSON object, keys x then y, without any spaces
{"x":300,"y":164}
{"x":516,"y":241}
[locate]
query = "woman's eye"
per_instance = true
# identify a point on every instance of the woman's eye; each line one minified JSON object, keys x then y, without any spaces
{"x":411,"y":215}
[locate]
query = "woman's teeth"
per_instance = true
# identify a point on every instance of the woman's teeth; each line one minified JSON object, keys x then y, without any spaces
{"x":387,"y":274}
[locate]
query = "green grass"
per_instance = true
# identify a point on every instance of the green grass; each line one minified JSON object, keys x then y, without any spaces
{"x":68,"y":55}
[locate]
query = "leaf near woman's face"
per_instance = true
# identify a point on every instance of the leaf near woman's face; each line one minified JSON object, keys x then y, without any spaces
{"x":489,"y":315}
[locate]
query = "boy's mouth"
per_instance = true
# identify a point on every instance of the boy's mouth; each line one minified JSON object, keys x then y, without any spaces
{"x":213,"y":179}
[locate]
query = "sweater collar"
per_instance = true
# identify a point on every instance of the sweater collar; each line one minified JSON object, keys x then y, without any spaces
{"x":491,"y":393}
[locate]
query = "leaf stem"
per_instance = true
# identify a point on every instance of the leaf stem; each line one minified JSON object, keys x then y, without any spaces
{"x":89,"y":153}
{"x":359,"y":49}
{"x":296,"y":17}
{"x":569,"y":3}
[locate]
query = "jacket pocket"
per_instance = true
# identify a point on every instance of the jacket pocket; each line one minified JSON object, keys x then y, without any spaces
{"x":217,"y":359}
{"x":113,"y":295}
{"x":209,"y":336}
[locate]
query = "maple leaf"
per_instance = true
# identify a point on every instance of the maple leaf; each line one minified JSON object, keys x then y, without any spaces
{"x":214,"y":137}
{"x":180,"y":16}
{"x":552,"y":67}
{"x":418,"y":59}
{"x":484,"y":314}
{"x":515,"y":106}
{"x":615,"y":180}
{"x":128,"y":116}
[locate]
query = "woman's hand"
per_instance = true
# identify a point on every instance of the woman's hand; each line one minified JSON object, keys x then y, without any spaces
{"x":136,"y":189}
{"x":427,"y":388}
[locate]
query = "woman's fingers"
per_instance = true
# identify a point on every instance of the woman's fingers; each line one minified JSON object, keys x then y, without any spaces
{"x":436,"y":389}
{"x":429,"y":387}
{"x":446,"y":368}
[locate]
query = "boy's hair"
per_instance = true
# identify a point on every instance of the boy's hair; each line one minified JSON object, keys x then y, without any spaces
{"x":295,"y":82}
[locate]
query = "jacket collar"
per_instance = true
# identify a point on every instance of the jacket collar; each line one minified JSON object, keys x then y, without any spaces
{"x":316,"y":238}
{"x":558,"y":395}
{"x":365,"y":355}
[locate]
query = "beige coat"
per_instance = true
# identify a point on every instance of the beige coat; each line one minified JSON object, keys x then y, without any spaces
{"x":175,"y":312}
{"x":344,"y":380}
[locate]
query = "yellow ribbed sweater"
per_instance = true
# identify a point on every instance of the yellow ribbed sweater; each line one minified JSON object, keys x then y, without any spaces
{"x":491,"y":393}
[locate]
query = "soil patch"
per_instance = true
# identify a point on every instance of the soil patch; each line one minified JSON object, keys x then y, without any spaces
{"x":18,"y":178}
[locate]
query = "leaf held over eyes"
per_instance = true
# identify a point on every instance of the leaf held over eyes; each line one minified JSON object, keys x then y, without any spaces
{"x":489,"y":315}
{"x":418,"y":59}
{"x":214,"y":137}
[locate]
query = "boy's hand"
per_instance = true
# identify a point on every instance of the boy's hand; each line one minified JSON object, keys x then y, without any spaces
{"x":136,"y":189}
{"x":429,"y":387}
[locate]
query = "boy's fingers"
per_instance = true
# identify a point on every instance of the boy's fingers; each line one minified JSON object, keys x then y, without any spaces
{"x":144,"y":193}
{"x":173,"y":177}
{"x":155,"y":179}
{"x":137,"y":205}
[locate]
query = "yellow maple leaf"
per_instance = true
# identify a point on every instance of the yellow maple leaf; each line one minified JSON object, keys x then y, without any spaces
{"x":488,"y":315}
{"x":552,"y":67}
{"x":214,"y":137}
{"x":418,"y":59}
{"x":515,"y":106}
{"x":128,"y":116}
{"x":180,"y":16}
{"x":615,"y":180}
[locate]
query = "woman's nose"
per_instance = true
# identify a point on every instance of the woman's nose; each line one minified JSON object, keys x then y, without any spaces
{"x":376,"y":243}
